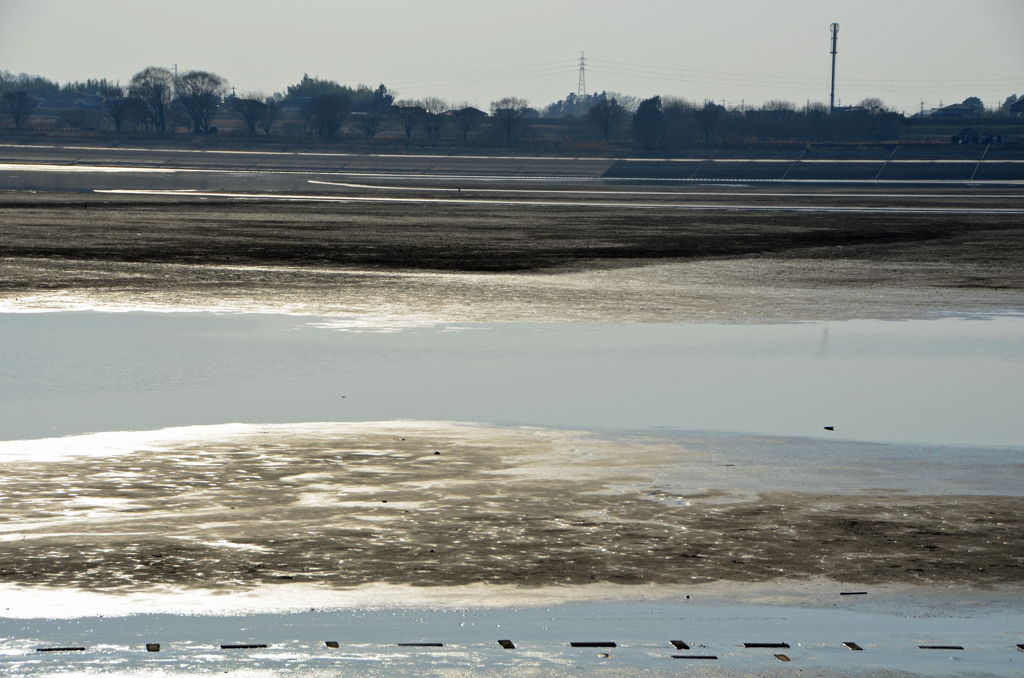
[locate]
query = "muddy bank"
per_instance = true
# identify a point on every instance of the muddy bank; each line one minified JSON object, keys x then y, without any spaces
{"x":450,"y":505}
{"x":492,"y":263}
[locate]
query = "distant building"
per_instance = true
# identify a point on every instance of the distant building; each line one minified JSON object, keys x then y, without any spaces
{"x":850,"y":110}
{"x":1017,"y":108}
{"x":956,"y":111}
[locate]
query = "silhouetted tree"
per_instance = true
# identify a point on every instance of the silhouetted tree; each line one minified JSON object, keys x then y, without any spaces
{"x":136,"y":116}
{"x":409,"y":115}
{"x":325,"y":114}
{"x":17,"y":105}
{"x":707,"y":118}
{"x":74,"y":118}
{"x":907,"y":121}
{"x":271,"y":113}
{"x":508,"y":113}
{"x":199,"y":94}
{"x":374,"y":119}
{"x":436,"y":116}
{"x":177,"y":117}
{"x":873,"y":105}
{"x":779,"y":109}
{"x":975,"y":104}
{"x":250,"y":108}
{"x":605,"y":115}
{"x":115,"y":102}
{"x":155,"y":87}
{"x":309,"y":88}
{"x":467,"y":119}
{"x":649,"y":123}
{"x":815,"y":109}
{"x":680,"y":126}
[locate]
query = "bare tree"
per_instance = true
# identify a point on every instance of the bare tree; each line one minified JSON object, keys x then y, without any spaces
{"x":873,"y":105}
{"x":116,"y":103}
{"x":250,"y":108}
{"x":74,"y":118}
{"x":779,"y":108}
{"x":374,"y":119}
{"x":18,"y":105}
{"x":409,"y":115}
{"x":199,"y":93}
{"x":436,"y":116}
{"x":508,"y":113}
{"x":605,"y":115}
{"x":467,"y":119}
{"x":707,"y":118}
{"x":154,"y":86}
{"x":326,"y":113}
{"x":627,"y":102}
{"x":271,"y":113}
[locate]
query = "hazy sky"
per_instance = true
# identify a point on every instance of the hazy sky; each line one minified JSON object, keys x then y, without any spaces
{"x":903,"y":51}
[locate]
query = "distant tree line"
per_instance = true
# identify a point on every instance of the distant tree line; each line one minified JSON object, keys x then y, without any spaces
{"x":159,"y":101}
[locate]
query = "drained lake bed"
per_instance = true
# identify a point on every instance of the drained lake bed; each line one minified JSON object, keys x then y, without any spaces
{"x":478,"y":420}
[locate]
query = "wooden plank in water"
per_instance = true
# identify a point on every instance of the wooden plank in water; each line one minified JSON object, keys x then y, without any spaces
{"x":243,"y":647}
{"x":853,"y":593}
{"x":941,"y":647}
{"x":152,"y":647}
{"x":333,"y":644}
{"x":60,"y":649}
{"x":853,"y":646}
{"x":782,"y":658}
{"x":421,"y":645}
{"x":679,"y":645}
{"x":507,"y":644}
{"x":694,"y":656}
{"x":599,"y":643}
{"x":782,"y":645}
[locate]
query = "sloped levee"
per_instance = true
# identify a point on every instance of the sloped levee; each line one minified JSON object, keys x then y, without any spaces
{"x":818,"y":169}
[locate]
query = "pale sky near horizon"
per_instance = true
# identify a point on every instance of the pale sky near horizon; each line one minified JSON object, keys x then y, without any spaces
{"x":902,"y":51}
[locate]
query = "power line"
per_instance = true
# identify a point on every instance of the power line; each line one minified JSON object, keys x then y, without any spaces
{"x":832,"y":92}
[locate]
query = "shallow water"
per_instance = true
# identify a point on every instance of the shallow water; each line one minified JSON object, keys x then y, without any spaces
{"x":939,"y":382}
{"x":368,"y":641}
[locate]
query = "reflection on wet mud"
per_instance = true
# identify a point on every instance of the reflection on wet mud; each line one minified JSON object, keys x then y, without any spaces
{"x":442,"y":505}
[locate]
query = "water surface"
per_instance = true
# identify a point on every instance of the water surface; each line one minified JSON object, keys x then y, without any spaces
{"x":940,"y":382}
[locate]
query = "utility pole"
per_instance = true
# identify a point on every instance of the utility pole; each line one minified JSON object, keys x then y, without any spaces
{"x":581,"y":90}
{"x":832,"y":95}
{"x":175,"y":71}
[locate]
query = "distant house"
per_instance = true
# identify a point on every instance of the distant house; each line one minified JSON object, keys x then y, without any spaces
{"x":850,"y":110}
{"x":956,"y":111}
{"x":1017,"y":108}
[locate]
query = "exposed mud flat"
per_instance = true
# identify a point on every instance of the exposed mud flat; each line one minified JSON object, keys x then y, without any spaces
{"x":436,"y":504}
{"x":746,"y":290}
{"x":504,"y":263}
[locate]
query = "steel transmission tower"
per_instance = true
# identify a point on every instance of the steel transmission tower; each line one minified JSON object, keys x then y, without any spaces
{"x":832,"y":95}
{"x":581,"y":91}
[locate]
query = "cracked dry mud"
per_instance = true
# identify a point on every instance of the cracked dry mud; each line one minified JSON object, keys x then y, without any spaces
{"x":357,"y":504}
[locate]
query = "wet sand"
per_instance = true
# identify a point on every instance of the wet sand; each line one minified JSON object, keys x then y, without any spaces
{"x":234,"y":507}
{"x":487,"y":263}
